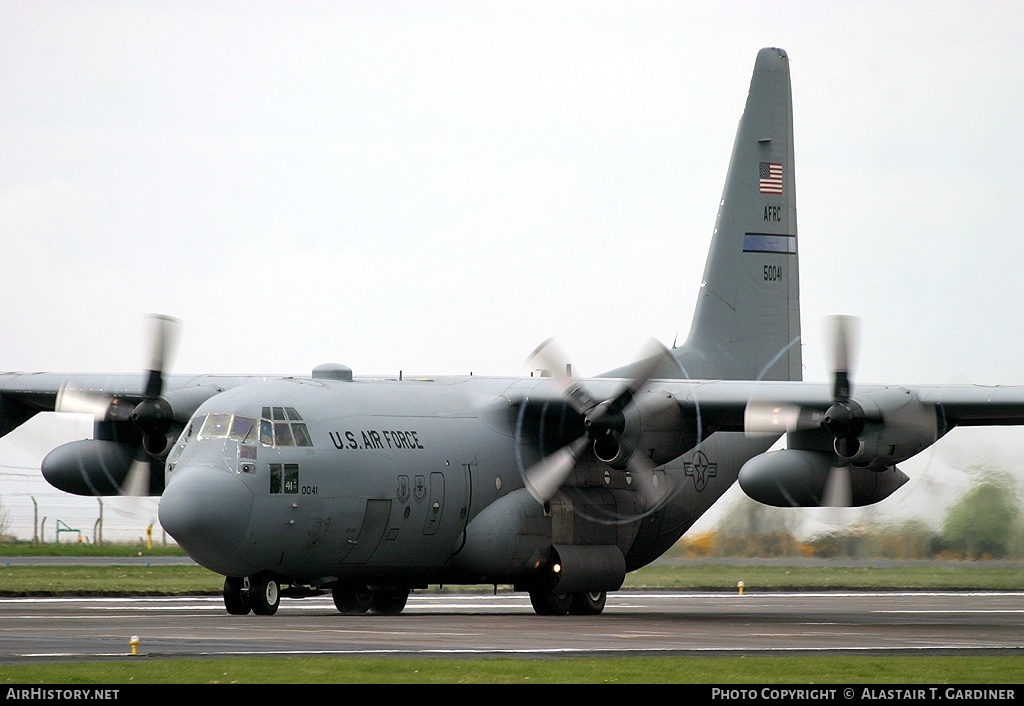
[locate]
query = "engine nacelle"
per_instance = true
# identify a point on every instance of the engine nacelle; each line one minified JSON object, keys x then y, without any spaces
{"x":896,"y":427}
{"x":96,"y":467}
{"x":654,"y":426}
{"x":798,"y":478}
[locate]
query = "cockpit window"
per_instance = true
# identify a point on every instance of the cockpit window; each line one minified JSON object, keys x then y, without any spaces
{"x":283,"y":426}
{"x":226,"y":426}
{"x":282,"y":431}
{"x":301,"y":435}
{"x":216,"y":426}
{"x":241,"y":427}
{"x":283,"y":434}
{"x":281,"y":414}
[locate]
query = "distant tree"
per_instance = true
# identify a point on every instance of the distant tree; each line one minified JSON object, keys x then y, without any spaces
{"x":749,"y":528}
{"x":909,"y":538}
{"x":1015,"y":545}
{"x":981,"y":524}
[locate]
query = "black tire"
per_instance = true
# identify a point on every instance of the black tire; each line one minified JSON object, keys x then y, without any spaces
{"x":236,"y":600}
{"x":264,"y":595}
{"x":351,"y":599}
{"x":546,"y":602}
{"x":588,"y":603}
{"x":389,"y":601}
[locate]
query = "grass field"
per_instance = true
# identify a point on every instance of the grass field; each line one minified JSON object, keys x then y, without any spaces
{"x":605,"y":670}
{"x":20,"y":580}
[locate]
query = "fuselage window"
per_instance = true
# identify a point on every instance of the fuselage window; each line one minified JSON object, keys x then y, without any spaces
{"x":284,"y":478}
{"x":291,"y":478}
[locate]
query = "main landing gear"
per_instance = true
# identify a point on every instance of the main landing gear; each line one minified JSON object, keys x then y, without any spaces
{"x":261,"y":595}
{"x":354,"y":599}
{"x":547,"y":602}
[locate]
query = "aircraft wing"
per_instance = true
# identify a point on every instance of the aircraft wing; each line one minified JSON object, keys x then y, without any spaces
{"x":23,"y":395}
{"x":727,"y":405}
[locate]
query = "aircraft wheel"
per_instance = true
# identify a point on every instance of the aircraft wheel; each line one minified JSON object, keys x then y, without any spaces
{"x":351,"y":599}
{"x":389,"y":601}
{"x":236,"y":600}
{"x":264,"y":594}
{"x":588,"y":603}
{"x":547,"y":602}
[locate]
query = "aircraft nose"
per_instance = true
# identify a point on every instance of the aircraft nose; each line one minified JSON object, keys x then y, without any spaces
{"x":207,"y":510}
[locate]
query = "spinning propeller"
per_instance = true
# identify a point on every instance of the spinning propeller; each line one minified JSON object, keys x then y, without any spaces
{"x":152,"y":415}
{"x":844,"y":419}
{"x":605,"y":423}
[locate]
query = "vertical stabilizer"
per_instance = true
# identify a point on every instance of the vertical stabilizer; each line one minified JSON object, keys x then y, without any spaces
{"x":747,"y":321}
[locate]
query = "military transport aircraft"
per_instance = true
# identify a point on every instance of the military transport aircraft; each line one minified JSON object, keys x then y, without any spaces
{"x":370,"y":488}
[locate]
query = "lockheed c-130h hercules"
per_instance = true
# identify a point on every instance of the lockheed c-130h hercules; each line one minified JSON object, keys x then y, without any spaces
{"x":369,"y":488}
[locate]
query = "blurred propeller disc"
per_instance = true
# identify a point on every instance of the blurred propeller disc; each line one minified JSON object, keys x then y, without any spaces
{"x":151,"y":415}
{"x":604,"y":422}
{"x":544,"y":478}
{"x":774,"y":417}
{"x":136,"y":483}
{"x":838,"y":491}
{"x":844,"y":333}
{"x":73,"y":399}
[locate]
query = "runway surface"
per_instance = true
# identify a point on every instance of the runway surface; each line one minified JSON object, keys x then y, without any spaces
{"x":481,"y":625}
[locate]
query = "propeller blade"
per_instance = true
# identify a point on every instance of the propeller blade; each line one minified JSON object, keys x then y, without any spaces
{"x":844,"y":333}
{"x":165,"y":331}
{"x":136,"y":483}
{"x":545,"y":477}
{"x":73,"y":399}
{"x":838,"y":489}
{"x":772,"y":417}
{"x":654,"y":358}
{"x":550,"y":358}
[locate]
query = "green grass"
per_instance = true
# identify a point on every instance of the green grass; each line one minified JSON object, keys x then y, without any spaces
{"x":18,"y":580}
{"x":108,"y":580}
{"x":76,"y":549}
{"x":625,"y":670}
{"x":924,"y":576}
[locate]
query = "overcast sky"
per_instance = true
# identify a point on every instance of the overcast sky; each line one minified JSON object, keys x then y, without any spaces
{"x":436,"y":187}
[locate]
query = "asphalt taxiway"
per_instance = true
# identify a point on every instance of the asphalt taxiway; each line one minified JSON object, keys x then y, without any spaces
{"x":504,"y":624}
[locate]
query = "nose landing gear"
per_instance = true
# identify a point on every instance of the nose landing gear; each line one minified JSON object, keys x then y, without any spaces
{"x":260,"y":594}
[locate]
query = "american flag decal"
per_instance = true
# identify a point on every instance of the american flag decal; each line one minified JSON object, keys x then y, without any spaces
{"x":770,"y":174}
